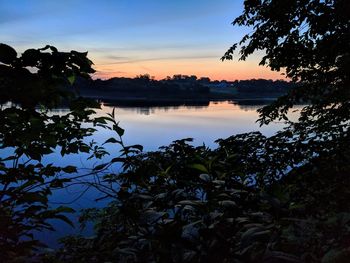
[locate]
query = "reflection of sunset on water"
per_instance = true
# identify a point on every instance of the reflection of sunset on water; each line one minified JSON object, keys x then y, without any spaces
{"x":157,"y":126}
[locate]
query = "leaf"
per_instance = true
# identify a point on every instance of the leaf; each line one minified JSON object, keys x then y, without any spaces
{"x":241,"y":220}
{"x":252,"y":234}
{"x":100,"y":166}
{"x":277,"y":256}
{"x":161,"y":196}
{"x":112,"y":140}
{"x":219,"y":182}
{"x":191,"y":202}
{"x":228,"y":203}
{"x":71,"y":79}
{"x":167,"y":170}
{"x":33,"y":197}
{"x":34,"y":155}
{"x":137,"y":146}
{"x":118,"y":159}
{"x":152,"y":216}
{"x":143,"y":196}
{"x":100,"y":120}
{"x":199,"y":167}
{"x":64,"y":209}
{"x":70,"y":169}
{"x":126,"y":251}
{"x":64,"y":219}
{"x":119,"y":130}
{"x":7,"y":54}
{"x":204,"y":177}
{"x":58,"y":183}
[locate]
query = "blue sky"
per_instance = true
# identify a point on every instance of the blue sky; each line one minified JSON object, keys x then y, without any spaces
{"x":129,"y":37}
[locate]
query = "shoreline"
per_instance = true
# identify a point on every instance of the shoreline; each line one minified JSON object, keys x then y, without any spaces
{"x":171,"y":99}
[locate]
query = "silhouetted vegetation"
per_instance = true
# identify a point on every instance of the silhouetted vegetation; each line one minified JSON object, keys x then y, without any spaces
{"x":30,"y":86}
{"x":260,"y":87}
{"x":253,"y":199}
{"x":179,"y":87}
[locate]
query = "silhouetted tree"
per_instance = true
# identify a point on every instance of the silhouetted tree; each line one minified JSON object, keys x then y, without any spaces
{"x":309,"y":40}
{"x":282,"y":198}
{"x":145,"y":77}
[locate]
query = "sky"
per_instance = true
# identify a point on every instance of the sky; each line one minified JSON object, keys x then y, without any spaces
{"x":126,"y":38}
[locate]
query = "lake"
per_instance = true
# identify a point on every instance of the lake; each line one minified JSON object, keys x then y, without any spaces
{"x":156,"y":126}
{"x":152,"y":127}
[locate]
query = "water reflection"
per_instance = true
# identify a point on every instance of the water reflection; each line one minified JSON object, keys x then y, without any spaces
{"x":153,"y":126}
{"x":152,"y":107}
{"x":251,"y":105}
{"x":149,"y":107}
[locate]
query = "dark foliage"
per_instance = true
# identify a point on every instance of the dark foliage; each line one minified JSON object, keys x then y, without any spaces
{"x":180,"y":86}
{"x":263,"y":86}
{"x":187,"y":204}
{"x":253,"y":199}
{"x":31,"y":85}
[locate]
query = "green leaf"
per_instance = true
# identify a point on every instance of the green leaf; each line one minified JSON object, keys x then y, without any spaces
{"x":71,"y":79}
{"x":199,"y":167}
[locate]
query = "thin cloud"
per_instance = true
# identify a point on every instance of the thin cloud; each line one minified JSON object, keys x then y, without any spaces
{"x":113,"y":57}
{"x":152,"y":46}
{"x":107,"y":74}
{"x":160,"y":59}
{"x":146,"y":69}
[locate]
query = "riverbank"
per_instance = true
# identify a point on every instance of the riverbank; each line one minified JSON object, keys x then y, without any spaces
{"x":190,"y":99}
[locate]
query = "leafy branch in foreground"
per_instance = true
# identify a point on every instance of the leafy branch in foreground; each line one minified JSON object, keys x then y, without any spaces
{"x":253,"y":199}
{"x":30,"y":86}
{"x":193,"y":204}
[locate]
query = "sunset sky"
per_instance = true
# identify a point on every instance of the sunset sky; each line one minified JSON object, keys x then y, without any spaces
{"x":131,"y":37}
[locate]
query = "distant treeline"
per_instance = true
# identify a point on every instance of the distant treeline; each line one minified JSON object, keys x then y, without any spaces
{"x":262,"y":86}
{"x":144,"y":83}
{"x":183,"y":85}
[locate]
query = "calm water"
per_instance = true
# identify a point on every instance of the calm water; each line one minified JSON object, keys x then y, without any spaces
{"x":157,"y":126}
{"x":153,"y":127}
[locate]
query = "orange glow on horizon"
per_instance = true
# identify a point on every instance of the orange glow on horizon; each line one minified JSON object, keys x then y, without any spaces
{"x":214,"y":69}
